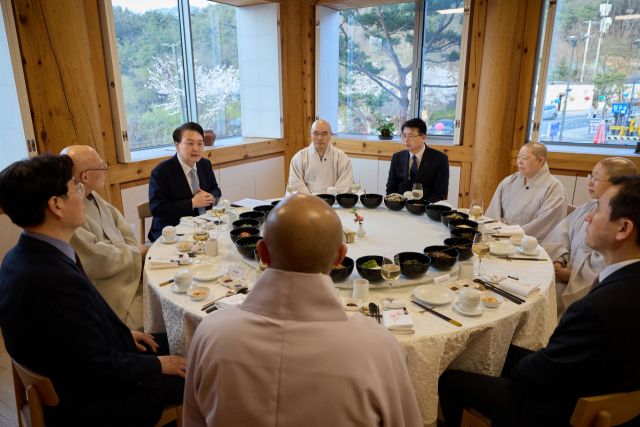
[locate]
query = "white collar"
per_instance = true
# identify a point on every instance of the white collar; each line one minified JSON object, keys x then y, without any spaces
{"x":327,"y":152}
{"x":615,"y":267}
{"x":419,"y":155}
{"x":185,"y":167}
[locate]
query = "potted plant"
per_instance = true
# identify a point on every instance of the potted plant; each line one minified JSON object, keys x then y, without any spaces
{"x":386,"y":129}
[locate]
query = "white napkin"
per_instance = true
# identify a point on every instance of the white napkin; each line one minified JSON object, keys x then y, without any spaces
{"x":519,"y":287}
{"x":231,"y":301}
{"x":511,"y":230}
{"x":398,"y":322}
{"x":190,"y":220}
{"x":443,"y":203}
{"x":156,"y":262}
{"x":395,"y":304}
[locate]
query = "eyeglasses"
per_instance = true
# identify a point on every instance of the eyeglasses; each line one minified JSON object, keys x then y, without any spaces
{"x":323,"y":134}
{"x":104,"y":168}
{"x":593,"y":179}
{"x":79,"y":187}
{"x":409,"y":137}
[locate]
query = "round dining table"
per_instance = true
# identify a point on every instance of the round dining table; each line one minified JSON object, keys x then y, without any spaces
{"x":480,"y":345}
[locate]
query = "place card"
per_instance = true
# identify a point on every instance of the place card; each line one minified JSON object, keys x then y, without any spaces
{"x":442,"y":280}
{"x":235,"y":272}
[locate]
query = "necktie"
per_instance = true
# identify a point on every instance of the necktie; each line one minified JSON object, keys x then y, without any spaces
{"x":414,"y":168}
{"x":596,"y":282}
{"x":79,"y":264}
{"x":194,"y":187}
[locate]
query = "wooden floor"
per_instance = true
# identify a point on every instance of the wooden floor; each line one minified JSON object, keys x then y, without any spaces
{"x":8,"y":417}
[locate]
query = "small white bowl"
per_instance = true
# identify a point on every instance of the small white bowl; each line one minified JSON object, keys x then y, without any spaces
{"x":516,"y":240}
{"x":489,"y":303}
{"x":357,"y":302}
{"x":185,"y":245}
{"x":502,"y":248}
{"x":198,"y":289}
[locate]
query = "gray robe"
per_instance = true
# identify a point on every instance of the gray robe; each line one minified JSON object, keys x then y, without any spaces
{"x":311,"y":175}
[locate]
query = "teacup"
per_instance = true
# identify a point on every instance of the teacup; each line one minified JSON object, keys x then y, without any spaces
{"x":169,"y":233}
{"x":408,"y":195}
{"x":332,"y":190}
{"x":227,"y":205}
{"x":183,"y":279}
{"x":469,"y":299}
{"x":529,"y":245}
{"x":466,"y":270}
{"x":361,"y":289}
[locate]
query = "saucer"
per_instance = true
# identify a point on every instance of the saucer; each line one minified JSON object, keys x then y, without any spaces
{"x":476,"y":312}
{"x":175,"y":289}
{"x":163,"y":240}
{"x":535,"y":253}
{"x":184,"y":265}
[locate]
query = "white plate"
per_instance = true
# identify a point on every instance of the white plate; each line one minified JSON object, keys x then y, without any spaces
{"x":163,"y":240}
{"x":535,"y":253}
{"x":434,"y":294}
{"x":502,"y":248}
{"x":476,"y":311}
{"x":175,"y":289}
{"x":207,"y":272}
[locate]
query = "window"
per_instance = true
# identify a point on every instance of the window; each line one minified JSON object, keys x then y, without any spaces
{"x":395,"y":62}
{"x":586,"y":90}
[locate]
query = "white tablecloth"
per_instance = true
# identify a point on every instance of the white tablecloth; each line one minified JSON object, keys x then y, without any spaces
{"x":479,"y":346}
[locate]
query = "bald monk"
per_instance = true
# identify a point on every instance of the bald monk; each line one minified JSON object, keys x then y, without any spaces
{"x":319,"y":166}
{"x":290,"y":355}
{"x":106,"y":244}
{"x":576,"y":264}
{"x":531,"y":197}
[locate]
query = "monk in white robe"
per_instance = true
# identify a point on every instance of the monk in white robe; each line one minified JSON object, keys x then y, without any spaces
{"x":319,"y":166}
{"x":106,"y":244}
{"x":576,"y":264}
{"x":290,"y":355}
{"x":531,"y":197}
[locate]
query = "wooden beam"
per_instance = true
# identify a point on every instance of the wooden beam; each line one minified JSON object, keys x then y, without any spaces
{"x":354,"y":4}
{"x":465,"y":185}
{"x":379,"y":148}
{"x":251,"y":160}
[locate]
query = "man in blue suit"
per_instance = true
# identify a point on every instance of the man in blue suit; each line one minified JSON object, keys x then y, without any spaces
{"x":55,"y":322}
{"x":594,"y":350}
{"x":419,"y":164}
{"x":185,"y":184}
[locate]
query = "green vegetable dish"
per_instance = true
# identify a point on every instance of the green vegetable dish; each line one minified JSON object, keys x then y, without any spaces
{"x":370,"y":264}
{"x":412,"y":262}
{"x":251,"y":245}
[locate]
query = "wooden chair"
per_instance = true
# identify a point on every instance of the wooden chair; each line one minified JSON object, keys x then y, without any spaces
{"x":570,"y":208}
{"x":143,"y":213}
{"x":33,"y":390}
{"x":473,"y":418}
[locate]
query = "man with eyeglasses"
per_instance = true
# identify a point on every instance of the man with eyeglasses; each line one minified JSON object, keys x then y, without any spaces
{"x":56,"y":323}
{"x":531,"y":198}
{"x":576,"y":264}
{"x":185,"y":184}
{"x":319,"y":166}
{"x":419,"y":164}
{"x":106,"y":244}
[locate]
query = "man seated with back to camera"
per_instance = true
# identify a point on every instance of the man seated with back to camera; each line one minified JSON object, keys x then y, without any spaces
{"x":56,"y":323}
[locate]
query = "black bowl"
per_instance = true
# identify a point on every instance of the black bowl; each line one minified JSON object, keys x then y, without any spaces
{"x":442,"y":263}
{"x":455,"y":223}
{"x":341,"y":274}
{"x":329,"y":198}
{"x":444,"y":216}
{"x":264,"y":208}
{"x":275,"y":202}
{"x":462,"y":245}
{"x":416,"y":207}
{"x":260,"y":216}
{"x":235,"y":233}
{"x":368,"y":273}
{"x":247,"y":251}
{"x":394,"y":206}
{"x":256,"y":256}
{"x":459,"y":231}
{"x":347,"y":200}
{"x":253,"y":223}
{"x":434,"y":211}
{"x":371,"y":201}
{"x":413,"y":271}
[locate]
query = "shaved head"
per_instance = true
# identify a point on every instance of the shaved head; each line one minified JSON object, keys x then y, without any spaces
{"x":538,"y":149}
{"x":86,"y":162}
{"x":302,"y":234}
{"x":617,"y":166}
{"x":321,"y":126}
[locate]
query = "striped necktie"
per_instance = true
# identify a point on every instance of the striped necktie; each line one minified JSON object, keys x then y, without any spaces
{"x":194,"y":187}
{"x":414,"y":168}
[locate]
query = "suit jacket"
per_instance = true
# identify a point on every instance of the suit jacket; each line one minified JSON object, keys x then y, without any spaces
{"x":433,"y":174}
{"x":170,"y":193}
{"x":55,"y":322}
{"x":594,"y":350}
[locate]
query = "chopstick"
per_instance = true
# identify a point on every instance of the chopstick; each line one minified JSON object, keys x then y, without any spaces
{"x":490,"y":222}
{"x":499,"y":291}
{"x":524,"y":259}
{"x":166,"y":283}
{"x":432,"y":311}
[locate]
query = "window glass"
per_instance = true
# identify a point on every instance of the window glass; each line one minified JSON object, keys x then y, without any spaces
{"x":215,"y":52}
{"x":150,"y":57}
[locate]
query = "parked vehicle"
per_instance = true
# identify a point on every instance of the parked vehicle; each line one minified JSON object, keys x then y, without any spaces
{"x":550,"y":112}
{"x":446,"y":130}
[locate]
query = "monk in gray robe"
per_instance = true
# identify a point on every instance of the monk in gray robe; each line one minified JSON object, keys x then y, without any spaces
{"x":106,"y":244}
{"x":290,"y":355}
{"x":531,"y":197}
{"x":576,"y":264}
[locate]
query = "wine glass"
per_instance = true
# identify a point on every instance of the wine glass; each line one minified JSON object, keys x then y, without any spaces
{"x":390,"y":272}
{"x":200,"y":235}
{"x":292,"y":189}
{"x":480,"y":249}
{"x":355,"y":186}
{"x":476,"y":210}
{"x":417,"y":192}
{"x":218,"y":211}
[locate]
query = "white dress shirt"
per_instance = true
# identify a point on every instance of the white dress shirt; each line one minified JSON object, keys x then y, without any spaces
{"x":419,"y":159}
{"x":615,"y":267}
{"x":187,"y":172}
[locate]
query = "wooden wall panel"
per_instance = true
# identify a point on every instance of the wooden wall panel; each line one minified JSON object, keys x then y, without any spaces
{"x":456,"y":153}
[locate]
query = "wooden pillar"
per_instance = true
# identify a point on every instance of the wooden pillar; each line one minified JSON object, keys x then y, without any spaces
{"x":497,"y":95}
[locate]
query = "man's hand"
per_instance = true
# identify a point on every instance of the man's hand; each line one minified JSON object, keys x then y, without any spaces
{"x":202,"y":199}
{"x":143,"y":251}
{"x":557,"y":265}
{"x":173,"y":365}
{"x":563,"y":274}
{"x":145,"y":338}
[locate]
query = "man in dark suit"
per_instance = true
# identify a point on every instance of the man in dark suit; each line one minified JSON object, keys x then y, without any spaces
{"x":184,"y":185}
{"x":419,"y":164}
{"x":594,"y":350}
{"x":54,"y":321}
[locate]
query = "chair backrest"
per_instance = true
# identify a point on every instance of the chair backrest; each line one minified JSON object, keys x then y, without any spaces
{"x":606,"y":410}
{"x":32,"y":391}
{"x":570,"y":208}
{"x":143,"y":212}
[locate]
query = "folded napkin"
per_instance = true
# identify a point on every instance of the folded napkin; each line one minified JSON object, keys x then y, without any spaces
{"x":156,"y":262}
{"x":519,"y":287}
{"x":230,"y":302}
{"x":190,"y":220}
{"x":510,"y":230}
{"x":395,"y":304}
{"x":398,"y":322}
